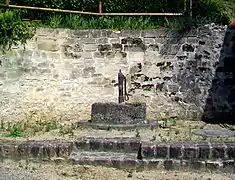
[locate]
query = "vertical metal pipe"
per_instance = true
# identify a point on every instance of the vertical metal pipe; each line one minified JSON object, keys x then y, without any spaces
{"x":120,"y":87}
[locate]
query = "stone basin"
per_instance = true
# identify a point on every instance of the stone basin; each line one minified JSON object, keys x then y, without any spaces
{"x":118,"y":113}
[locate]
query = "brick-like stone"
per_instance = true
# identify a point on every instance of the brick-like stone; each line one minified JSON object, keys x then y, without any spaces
{"x":81,"y":33}
{"x":148,"y":150}
{"x":135,"y":48}
{"x":153,"y":33}
{"x":48,"y":45}
{"x":149,"y":40}
{"x":117,"y":47}
{"x":87,"y":55}
{"x":130,"y":33}
{"x":218,"y":150}
{"x":190,"y":152}
{"x":86,"y":41}
{"x":96,"y":33}
{"x":90,"y":47}
{"x":101,"y":40}
{"x":162,"y":151}
{"x":153,"y":47}
{"x":114,"y":40}
{"x":168,"y":164}
{"x":104,"y":47}
{"x":212,"y":165}
{"x":176,"y":151}
{"x":9,"y":150}
{"x":230,"y":150}
{"x":204,"y":150}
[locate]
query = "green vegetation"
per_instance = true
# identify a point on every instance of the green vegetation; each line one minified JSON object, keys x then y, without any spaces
{"x":34,"y":124}
{"x":13,"y":30}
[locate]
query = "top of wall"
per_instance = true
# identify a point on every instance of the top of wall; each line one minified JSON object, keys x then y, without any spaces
{"x":150,"y":33}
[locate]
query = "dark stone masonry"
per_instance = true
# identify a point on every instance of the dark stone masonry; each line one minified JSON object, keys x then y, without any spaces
{"x":123,"y":152}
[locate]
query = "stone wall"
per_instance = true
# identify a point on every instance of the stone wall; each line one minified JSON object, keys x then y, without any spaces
{"x":61,"y":72}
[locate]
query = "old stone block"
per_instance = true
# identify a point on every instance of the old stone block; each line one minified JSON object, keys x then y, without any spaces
{"x":135,"y":48}
{"x":90,"y":47}
{"x":48,"y":152}
{"x":153,"y":33}
{"x":82,"y":144}
{"x":104,"y":47}
{"x":212,"y":165}
{"x":95,"y":33}
{"x":110,"y":55}
{"x":114,"y":113}
{"x":88,"y":70}
{"x":117,"y":47}
{"x":9,"y":150}
{"x":149,"y":40}
{"x":204,"y":150}
{"x":190,"y":152}
{"x":102,"y":40}
{"x":64,"y":149}
{"x":114,"y":40}
{"x":86,"y":41}
{"x":148,"y":150}
{"x":162,"y":151}
{"x":13,"y":74}
{"x":188,"y":47}
{"x":98,"y":55}
{"x":230,"y":150}
{"x":228,"y":166}
{"x":48,"y":45}
{"x":80,"y":33}
{"x":43,"y":65}
{"x":130,"y":33}
{"x":218,"y":151}
{"x":169,"y":49}
{"x":192,"y":40}
{"x":196,"y":164}
{"x":95,"y":144}
{"x":87,"y":55}
{"x":168,"y":164}
{"x":110,"y":33}
{"x":176,"y":150}
{"x":109,"y":145}
{"x":153,"y":47}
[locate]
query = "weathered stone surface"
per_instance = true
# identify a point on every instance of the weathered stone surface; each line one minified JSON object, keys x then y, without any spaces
{"x":178,"y":69}
{"x":114,"y":113}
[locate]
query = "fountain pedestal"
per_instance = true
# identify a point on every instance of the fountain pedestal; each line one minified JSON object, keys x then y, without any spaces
{"x":118,"y":113}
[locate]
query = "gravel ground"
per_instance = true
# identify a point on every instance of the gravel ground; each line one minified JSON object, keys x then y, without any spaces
{"x":10,"y":170}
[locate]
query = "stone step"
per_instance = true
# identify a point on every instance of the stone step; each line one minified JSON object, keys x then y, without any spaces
{"x":130,"y":161}
{"x":106,"y":126}
{"x":116,"y":144}
{"x":189,"y":150}
{"x":118,"y":160}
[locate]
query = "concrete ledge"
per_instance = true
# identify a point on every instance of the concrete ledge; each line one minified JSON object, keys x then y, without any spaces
{"x":115,"y":113}
{"x":103,"y":126}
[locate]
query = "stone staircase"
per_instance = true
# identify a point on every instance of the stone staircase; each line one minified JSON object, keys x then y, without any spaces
{"x":119,"y":152}
{"x":125,"y":152}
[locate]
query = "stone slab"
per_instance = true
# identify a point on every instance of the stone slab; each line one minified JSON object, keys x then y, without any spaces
{"x":105,"y":126}
{"x":115,"y":113}
{"x":214,"y":133}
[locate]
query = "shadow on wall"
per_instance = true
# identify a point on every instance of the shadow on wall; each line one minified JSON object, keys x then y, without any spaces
{"x":220,"y":103}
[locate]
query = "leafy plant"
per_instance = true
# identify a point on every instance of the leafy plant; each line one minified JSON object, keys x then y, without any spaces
{"x":12,"y":30}
{"x":15,"y":131}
